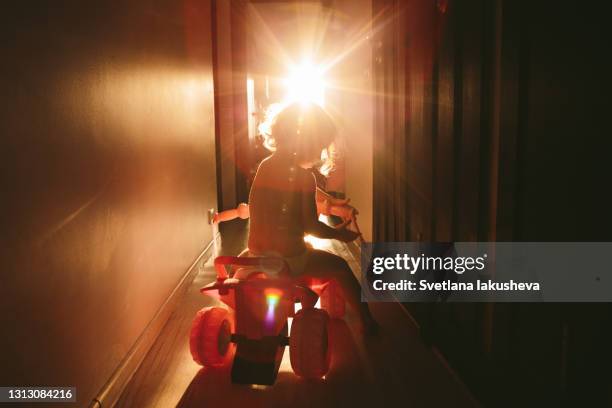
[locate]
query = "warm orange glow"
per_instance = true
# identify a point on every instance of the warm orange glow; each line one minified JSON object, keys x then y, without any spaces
{"x":317,"y":243}
{"x":273,"y":293}
{"x":305,"y":84}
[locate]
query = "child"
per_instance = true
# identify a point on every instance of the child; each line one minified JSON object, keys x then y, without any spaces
{"x":282,"y":203}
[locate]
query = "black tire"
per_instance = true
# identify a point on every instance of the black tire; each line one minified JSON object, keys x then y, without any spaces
{"x":309,"y":349}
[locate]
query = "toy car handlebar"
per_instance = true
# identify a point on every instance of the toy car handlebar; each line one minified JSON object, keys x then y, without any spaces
{"x":304,"y":294}
{"x":265,"y":262}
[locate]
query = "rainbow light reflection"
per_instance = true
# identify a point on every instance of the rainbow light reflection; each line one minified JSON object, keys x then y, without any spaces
{"x":272,"y":300}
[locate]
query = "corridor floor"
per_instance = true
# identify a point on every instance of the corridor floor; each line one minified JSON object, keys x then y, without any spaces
{"x":392,"y":369}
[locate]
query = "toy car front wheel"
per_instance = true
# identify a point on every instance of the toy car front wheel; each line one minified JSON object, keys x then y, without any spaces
{"x":210,"y":337}
{"x":309,"y":350}
{"x":332,"y":300}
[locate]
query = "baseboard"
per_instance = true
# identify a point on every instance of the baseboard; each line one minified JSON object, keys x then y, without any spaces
{"x":110,"y":393}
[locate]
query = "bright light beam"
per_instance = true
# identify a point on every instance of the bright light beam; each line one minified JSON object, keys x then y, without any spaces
{"x":305,"y":84}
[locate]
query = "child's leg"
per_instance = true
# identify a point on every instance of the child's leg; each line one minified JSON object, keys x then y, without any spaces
{"x":322,"y":264}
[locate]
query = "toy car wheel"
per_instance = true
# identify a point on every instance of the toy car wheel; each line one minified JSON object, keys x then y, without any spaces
{"x":309,"y":350}
{"x":210,"y":337}
{"x":332,"y":300}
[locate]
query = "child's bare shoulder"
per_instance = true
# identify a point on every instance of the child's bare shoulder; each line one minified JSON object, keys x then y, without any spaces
{"x":264,"y":169}
{"x":265,"y":163}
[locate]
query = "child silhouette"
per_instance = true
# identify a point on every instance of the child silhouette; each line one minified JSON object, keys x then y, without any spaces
{"x":282,"y":203}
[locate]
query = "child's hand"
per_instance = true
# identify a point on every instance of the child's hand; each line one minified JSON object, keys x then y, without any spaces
{"x":347,"y":235}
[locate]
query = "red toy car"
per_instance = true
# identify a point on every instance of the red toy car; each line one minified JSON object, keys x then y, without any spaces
{"x":253,"y":330}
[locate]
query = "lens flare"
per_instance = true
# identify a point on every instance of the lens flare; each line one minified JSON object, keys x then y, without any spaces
{"x":272,"y":300}
{"x":305,"y":84}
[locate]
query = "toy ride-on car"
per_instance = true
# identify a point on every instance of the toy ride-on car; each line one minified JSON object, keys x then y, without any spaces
{"x":252,"y":331}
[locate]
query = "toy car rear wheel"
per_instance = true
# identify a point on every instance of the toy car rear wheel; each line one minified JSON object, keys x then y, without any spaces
{"x":210,"y":338}
{"x":332,"y":300}
{"x":309,"y":349}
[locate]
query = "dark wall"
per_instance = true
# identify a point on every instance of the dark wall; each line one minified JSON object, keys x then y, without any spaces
{"x":235,"y":169}
{"x":491,"y":125}
{"x":108,"y":168}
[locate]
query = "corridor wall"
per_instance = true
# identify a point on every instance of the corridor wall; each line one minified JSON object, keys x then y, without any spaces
{"x":108,"y":171}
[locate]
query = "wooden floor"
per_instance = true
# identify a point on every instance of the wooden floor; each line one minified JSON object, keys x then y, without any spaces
{"x":393,"y":369}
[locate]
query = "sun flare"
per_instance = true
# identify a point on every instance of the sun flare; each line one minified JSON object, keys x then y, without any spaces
{"x":305,"y":84}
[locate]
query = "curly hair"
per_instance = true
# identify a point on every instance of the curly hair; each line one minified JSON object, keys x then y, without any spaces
{"x":300,"y":129}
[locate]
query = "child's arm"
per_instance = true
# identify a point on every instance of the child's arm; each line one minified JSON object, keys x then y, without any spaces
{"x":241,"y":211}
{"x":329,"y":205}
{"x":310,"y":216}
